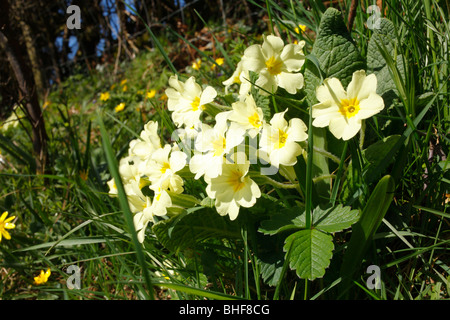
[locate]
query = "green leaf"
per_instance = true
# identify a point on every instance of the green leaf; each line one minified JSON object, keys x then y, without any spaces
{"x":378,"y":156}
{"x":384,"y":39}
{"x":364,"y":230}
{"x":287,"y":219}
{"x":311,"y":252}
{"x":186,"y":230}
{"x":336,"y":54}
{"x":335,"y":218}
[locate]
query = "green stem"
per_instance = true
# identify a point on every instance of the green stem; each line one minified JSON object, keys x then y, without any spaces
{"x":309,"y":167}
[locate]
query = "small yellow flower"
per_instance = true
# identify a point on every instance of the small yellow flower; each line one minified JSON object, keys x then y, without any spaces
{"x":124,"y":88}
{"x":219,"y":61}
{"x":104,"y":96}
{"x":300,"y":29}
{"x":151,"y":93}
{"x":42,"y":277}
{"x":46,"y":104}
{"x":6,"y":224}
{"x":120,"y":107}
{"x":196,"y":65}
{"x":123,"y":82}
{"x":84,"y":174}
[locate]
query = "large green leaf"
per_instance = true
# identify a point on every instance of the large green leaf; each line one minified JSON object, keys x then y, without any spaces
{"x":187,"y":229}
{"x":311,"y":252}
{"x":335,"y":218}
{"x":336,"y":54}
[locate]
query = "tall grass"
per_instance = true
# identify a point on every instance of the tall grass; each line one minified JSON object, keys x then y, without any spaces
{"x":67,"y":218}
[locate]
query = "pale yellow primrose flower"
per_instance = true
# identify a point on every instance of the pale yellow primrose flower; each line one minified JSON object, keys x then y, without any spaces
{"x":6,"y":224}
{"x":187,"y":100}
{"x":162,"y":166}
{"x":149,"y":141}
{"x":342,"y":111}
{"x":241,"y":77}
{"x":233,"y":188}
{"x":211,"y":146}
{"x":279,"y":139}
{"x":276,"y":64}
{"x":247,"y":116}
{"x":42,"y":277}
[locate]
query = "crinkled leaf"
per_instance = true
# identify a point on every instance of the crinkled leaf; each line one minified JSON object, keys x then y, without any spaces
{"x":311,"y":252}
{"x":335,"y":51}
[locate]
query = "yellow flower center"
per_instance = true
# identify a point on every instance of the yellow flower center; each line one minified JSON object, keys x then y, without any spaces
{"x":195,"y":104}
{"x":282,"y":137}
{"x":274,"y":65}
{"x":219,"y":146}
{"x":237,"y":80}
{"x":164,"y":167}
{"x":236,"y":180}
{"x":254,"y":120}
{"x":349,"y":107}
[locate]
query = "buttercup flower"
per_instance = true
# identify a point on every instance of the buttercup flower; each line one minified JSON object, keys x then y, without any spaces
{"x":233,"y":188}
{"x":187,"y":100}
{"x":219,"y":61}
{"x":279,"y":139}
{"x":276,"y":63}
{"x":342,"y":111}
{"x":104,"y":96}
{"x":120,"y":107}
{"x":42,"y":277}
{"x":151,"y":94}
{"x":6,"y":224}
{"x":300,"y":29}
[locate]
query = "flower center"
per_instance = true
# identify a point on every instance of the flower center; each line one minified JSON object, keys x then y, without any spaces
{"x":254,"y":120}
{"x":349,"y":107}
{"x":282,"y":137}
{"x":164,"y":167}
{"x":236,"y":180}
{"x":195,"y":104}
{"x":219,"y":146}
{"x":274,"y":65}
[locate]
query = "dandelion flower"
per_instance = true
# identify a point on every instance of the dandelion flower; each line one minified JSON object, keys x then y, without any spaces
{"x":6,"y":224}
{"x":42,"y":277}
{"x":277,"y":64}
{"x":233,"y":188}
{"x":342,"y":111}
{"x":279,"y":139}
